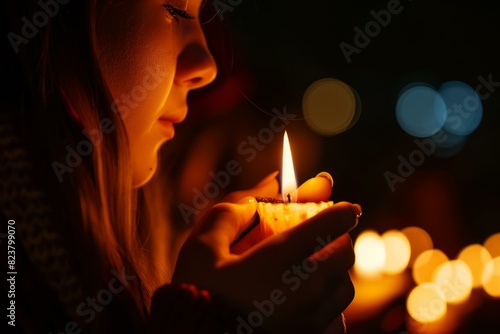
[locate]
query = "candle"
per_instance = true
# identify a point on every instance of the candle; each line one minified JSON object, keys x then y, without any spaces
{"x":298,"y":204}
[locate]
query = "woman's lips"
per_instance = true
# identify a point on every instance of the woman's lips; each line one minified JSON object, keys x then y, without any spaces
{"x":167,"y":127}
{"x":167,"y":121}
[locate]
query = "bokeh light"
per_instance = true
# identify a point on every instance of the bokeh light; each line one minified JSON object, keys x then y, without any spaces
{"x":426,"y":263}
{"x":370,"y":254}
{"x":492,"y":244}
{"x":491,"y":277}
{"x":330,"y":106}
{"x":476,"y":257}
{"x":420,"y":110}
{"x":454,"y":278}
{"x":426,"y":303}
{"x":464,"y":108}
{"x":397,"y":252}
{"x":420,"y":241}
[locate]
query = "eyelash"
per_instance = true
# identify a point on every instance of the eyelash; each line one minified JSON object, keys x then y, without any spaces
{"x":176,"y":13}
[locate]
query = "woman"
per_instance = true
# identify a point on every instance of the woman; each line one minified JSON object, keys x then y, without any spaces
{"x":90,"y":91}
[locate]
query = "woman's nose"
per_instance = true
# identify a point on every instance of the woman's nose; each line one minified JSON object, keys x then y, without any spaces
{"x":195,"y":66}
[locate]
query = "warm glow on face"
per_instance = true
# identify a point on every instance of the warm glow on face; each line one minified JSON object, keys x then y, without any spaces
{"x":476,"y":257}
{"x":491,"y":277}
{"x":420,"y":241}
{"x":370,"y":254}
{"x":288,"y":181}
{"x":426,"y":303}
{"x":426,"y":263}
{"x":454,"y":278}
{"x":397,"y":252}
{"x":492,"y":244}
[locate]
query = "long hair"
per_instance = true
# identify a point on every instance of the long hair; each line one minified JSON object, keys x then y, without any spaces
{"x":53,"y":79}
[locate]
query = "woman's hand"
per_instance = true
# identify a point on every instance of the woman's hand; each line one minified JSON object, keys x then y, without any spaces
{"x":296,"y":281}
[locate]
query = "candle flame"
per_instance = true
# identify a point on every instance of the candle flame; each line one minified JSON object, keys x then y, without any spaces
{"x":288,"y":181}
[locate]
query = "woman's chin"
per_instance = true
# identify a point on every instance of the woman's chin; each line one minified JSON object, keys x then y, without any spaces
{"x":144,"y":174}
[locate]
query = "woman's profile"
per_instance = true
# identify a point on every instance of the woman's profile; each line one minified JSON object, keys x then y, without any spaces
{"x":90,"y":90}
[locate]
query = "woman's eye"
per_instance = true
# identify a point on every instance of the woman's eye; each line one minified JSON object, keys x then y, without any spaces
{"x":176,"y":13}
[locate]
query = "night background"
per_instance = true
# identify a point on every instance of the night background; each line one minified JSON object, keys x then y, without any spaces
{"x":270,"y":52}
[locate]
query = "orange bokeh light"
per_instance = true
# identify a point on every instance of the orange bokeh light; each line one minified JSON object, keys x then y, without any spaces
{"x":420,"y":241}
{"x":491,"y":277}
{"x":476,"y":257}
{"x":426,"y":263}
{"x":426,"y":303}
{"x":370,"y":254}
{"x":454,"y":278}
{"x":397,"y":252}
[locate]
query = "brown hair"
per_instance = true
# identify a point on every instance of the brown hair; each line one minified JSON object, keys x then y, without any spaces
{"x":58,"y":85}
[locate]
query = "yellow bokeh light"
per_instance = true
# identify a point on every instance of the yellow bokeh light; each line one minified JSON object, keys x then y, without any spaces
{"x":476,"y":257}
{"x":454,"y":278}
{"x":420,"y":241}
{"x":397,"y":252}
{"x":492,"y":244}
{"x":426,"y":303}
{"x":330,"y":106}
{"x":370,"y":254}
{"x":491,"y":277}
{"x":426,"y":263}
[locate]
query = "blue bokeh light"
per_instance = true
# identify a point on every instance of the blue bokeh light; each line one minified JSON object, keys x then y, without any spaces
{"x":420,"y":110}
{"x":464,"y":108}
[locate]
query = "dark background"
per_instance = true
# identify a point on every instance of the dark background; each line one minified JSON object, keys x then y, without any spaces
{"x":269,"y":52}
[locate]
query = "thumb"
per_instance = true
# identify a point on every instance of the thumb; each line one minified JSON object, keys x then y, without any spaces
{"x":317,"y":189}
{"x":225,"y":222}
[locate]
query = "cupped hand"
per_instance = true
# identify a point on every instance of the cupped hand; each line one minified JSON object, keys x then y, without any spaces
{"x":297,"y":280}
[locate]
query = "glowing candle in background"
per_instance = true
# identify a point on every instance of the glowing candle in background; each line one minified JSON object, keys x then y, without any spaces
{"x":426,"y":303}
{"x":491,"y":277}
{"x":454,"y":278}
{"x":476,"y":257}
{"x":426,"y":263}
{"x":397,"y":252}
{"x":370,"y":254}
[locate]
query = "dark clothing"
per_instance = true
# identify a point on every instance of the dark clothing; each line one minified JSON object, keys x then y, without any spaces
{"x":53,"y":292}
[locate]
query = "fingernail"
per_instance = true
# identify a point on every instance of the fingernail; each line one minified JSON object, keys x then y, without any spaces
{"x":326,"y":176}
{"x":268,"y":178}
{"x":357,"y":210}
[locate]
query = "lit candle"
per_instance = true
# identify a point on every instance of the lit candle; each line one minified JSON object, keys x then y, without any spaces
{"x":288,"y":181}
{"x":315,"y":189}
{"x":298,"y":204}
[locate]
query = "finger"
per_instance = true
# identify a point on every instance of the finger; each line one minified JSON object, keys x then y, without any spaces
{"x":336,"y":257}
{"x":225,"y":222}
{"x":268,"y":187}
{"x":300,"y":242}
{"x":317,"y":189}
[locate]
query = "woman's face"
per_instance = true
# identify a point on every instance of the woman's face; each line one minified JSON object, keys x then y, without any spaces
{"x":151,"y":57}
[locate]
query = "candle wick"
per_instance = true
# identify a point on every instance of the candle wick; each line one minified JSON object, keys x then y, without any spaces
{"x":289,"y":198}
